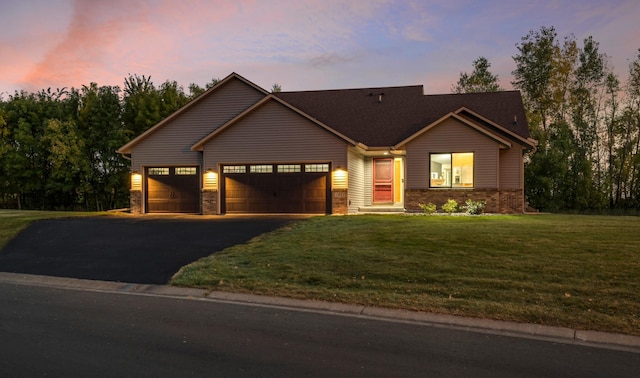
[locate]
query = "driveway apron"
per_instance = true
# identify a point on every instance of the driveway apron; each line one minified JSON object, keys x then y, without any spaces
{"x":134,"y":249}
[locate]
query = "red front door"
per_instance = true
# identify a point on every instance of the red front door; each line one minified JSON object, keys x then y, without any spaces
{"x":382,"y":180}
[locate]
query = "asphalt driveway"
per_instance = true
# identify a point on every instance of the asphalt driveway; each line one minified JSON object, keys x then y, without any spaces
{"x":136,"y":249}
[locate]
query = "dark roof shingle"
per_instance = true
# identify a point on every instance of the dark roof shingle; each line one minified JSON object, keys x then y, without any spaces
{"x":381,"y":117}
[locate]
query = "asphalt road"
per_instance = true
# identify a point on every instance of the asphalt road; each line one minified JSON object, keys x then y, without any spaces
{"x":138,"y":249}
{"x":71,"y":333}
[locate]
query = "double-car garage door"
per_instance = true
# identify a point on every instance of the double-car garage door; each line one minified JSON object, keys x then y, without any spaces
{"x":247,"y":188}
{"x":276,"y":188}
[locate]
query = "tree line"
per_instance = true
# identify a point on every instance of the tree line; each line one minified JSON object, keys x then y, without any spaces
{"x":57,"y":147}
{"x":585,"y":118}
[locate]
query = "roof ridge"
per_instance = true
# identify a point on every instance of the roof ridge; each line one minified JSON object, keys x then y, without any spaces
{"x":354,"y":89}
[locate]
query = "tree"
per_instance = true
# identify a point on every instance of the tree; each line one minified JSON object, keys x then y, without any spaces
{"x":480,"y":80}
{"x":534,"y":67}
{"x":276,"y":88}
{"x":101,"y":128}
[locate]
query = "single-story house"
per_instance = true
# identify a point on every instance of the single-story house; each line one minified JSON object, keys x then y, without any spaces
{"x":238,"y":148}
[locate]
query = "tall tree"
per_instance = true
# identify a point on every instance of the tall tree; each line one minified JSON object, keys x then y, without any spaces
{"x":480,"y":80}
{"x":534,"y":70}
{"x":100,"y":126}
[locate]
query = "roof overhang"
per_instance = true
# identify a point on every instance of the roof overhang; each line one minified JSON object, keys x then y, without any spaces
{"x":199,"y":145}
{"x":126,"y":149}
{"x":528,"y":142}
{"x":504,"y":143}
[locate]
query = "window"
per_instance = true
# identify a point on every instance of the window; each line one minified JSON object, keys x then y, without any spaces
{"x":289,"y":168}
{"x":185,"y":171}
{"x":234,"y":169}
{"x":158,"y":171}
{"x":451,"y":170}
{"x":264,"y":168}
{"x":316,"y":167}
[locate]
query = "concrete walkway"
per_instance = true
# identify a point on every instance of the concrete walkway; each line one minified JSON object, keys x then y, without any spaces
{"x":532,"y":331}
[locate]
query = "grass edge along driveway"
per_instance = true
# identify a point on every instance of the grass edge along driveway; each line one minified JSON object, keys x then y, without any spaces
{"x":573,"y":271}
{"x":14,"y":221}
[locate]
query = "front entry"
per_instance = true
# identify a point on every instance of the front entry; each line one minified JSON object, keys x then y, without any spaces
{"x":383,"y":180}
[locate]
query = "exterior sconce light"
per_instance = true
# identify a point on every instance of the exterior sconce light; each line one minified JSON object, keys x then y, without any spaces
{"x":340,"y":179}
{"x":210,"y":180}
{"x":136,"y":181}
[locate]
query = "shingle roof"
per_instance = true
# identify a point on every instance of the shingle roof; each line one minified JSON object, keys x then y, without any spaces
{"x":379,"y":117}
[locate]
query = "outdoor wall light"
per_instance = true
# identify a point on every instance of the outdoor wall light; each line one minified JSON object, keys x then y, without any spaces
{"x":136,"y":181}
{"x":339,"y":179}
{"x":210,"y":180}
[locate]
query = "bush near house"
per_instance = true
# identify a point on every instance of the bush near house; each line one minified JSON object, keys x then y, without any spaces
{"x":474,"y":207}
{"x":450,"y":207}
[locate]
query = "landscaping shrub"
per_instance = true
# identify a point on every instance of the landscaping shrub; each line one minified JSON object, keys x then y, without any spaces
{"x":428,"y":208}
{"x":474,"y":207}
{"x":450,"y":207}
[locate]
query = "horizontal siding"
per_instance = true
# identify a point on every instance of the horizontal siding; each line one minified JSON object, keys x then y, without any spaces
{"x":368,"y":181}
{"x":452,"y":136}
{"x":171,"y":144}
{"x":511,"y":166}
{"x":273,"y":133}
{"x":356,"y":181}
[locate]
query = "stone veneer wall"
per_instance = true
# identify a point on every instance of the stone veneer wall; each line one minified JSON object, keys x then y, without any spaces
{"x":135,"y":201}
{"x":339,"y":204}
{"x":504,"y":202}
{"x":209,"y":202}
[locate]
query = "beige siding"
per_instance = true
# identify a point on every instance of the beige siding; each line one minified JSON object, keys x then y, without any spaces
{"x":356,"y":181}
{"x":368,"y":181}
{"x":171,"y":144}
{"x":452,"y":136}
{"x":511,"y":166}
{"x":274,"y":133}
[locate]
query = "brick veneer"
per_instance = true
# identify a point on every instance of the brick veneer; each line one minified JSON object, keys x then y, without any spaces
{"x":209,"y":202}
{"x":504,"y":201}
{"x":339,"y":201}
{"x":135,"y":201}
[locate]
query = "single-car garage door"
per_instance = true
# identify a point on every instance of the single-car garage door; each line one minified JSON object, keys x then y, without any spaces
{"x":173,"y":190}
{"x":276,"y":188}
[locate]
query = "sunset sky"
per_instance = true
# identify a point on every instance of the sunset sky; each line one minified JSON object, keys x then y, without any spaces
{"x":300,"y":44}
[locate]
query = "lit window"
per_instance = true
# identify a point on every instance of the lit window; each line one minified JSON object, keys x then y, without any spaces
{"x":264,"y":168}
{"x":186,"y":171}
{"x":158,"y":171}
{"x":289,"y":168}
{"x":316,"y":167}
{"x":234,"y":169}
{"x":451,"y":170}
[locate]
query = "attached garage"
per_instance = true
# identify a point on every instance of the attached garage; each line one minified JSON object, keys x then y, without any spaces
{"x":172,"y":190}
{"x":276,"y":188}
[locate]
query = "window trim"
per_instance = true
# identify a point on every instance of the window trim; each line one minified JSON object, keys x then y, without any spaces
{"x":452,"y":184}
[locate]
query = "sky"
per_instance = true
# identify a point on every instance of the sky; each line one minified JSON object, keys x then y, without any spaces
{"x":299,"y":44}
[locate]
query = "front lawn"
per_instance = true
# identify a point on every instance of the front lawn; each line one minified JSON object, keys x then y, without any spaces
{"x":564,"y":270}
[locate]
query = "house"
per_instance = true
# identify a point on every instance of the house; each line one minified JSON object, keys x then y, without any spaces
{"x":239,"y":149}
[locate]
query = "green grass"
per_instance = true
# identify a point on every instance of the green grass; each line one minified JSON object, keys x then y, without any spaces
{"x":563,"y":270}
{"x":14,"y":221}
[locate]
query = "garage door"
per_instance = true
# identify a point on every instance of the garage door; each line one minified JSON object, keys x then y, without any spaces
{"x":276,"y":188}
{"x":173,"y":190}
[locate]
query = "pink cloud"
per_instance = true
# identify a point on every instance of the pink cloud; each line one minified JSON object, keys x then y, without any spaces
{"x":92,"y":33}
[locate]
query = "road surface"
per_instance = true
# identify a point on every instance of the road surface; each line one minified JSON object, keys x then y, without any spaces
{"x":73,"y":333}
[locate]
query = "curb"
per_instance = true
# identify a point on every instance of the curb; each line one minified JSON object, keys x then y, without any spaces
{"x":565,"y":335}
